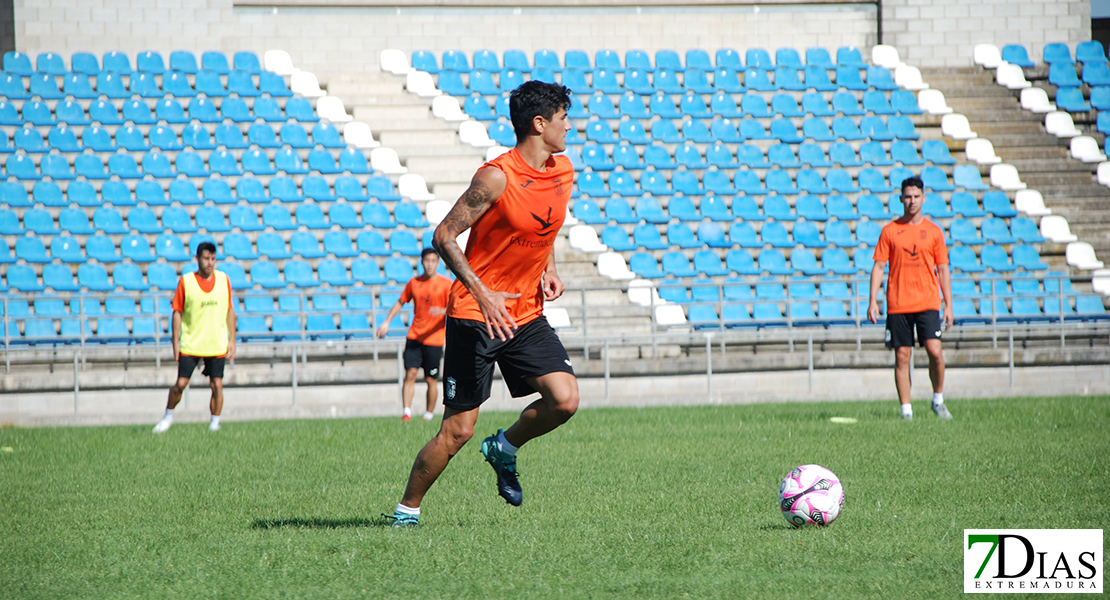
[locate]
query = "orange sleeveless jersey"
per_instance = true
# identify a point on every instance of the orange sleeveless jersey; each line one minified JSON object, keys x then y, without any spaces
{"x":913,"y":251}
{"x":426,"y":328}
{"x":509,"y":245}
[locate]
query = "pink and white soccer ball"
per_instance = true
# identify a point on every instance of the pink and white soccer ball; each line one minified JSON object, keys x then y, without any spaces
{"x":811,"y":495}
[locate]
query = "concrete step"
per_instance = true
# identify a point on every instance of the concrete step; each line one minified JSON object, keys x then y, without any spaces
{"x":385,"y":114}
{"x":416,"y":137}
{"x":444,"y":169}
{"x":1048,"y":165}
{"x":449,"y":191}
{"x":457,"y":149}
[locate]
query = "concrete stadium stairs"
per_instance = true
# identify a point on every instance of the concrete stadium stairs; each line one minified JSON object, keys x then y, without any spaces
{"x":1069,"y":186}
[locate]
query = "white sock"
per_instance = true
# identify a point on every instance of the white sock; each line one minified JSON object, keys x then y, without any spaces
{"x":506,"y":447}
{"x":169,"y":415}
{"x":401,"y":508}
{"x":215,"y":420}
{"x":938,"y":398}
{"x":907,"y":410}
{"x":408,"y":412}
{"x":428,"y":416}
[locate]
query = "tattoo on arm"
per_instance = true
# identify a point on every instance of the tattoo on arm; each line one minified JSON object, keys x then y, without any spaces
{"x":472,"y":205}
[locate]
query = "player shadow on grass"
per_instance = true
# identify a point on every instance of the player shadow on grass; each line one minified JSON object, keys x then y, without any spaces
{"x":318,"y":523}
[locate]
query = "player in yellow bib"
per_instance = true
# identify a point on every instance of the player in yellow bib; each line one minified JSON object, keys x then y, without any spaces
{"x":203,"y":329}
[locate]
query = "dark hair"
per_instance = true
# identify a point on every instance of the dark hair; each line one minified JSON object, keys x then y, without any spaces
{"x":912,"y":182}
{"x":536,"y":99}
{"x":428,"y":251}
{"x":205,"y":247}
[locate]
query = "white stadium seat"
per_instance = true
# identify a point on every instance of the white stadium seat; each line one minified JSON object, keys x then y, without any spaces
{"x":447,"y":107}
{"x":1085,"y":148}
{"x":1055,"y":228}
{"x":987,"y":55}
{"x":612,"y":265}
{"x":411,"y":185}
{"x":981,"y":150}
{"x":1059,"y":124}
{"x":494,"y":151}
{"x":435,"y":210}
{"x":584,"y":238}
{"x":1036,"y":100}
{"x":1011,"y":76}
{"x":932,"y":102}
{"x":421,"y":84}
{"x":358,"y":134}
{"x":1031,"y":202}
{"x":670,"y":315}
{"x":1006,"y":177}
{"x":474,"y":133}
{"x":306,"y":84}
{"x":885,"y":56}
{"x":1082,"y":255}
{"x":332,"y":109}
{"x":956,"y":126}
{"x":643,"y":292}
{"x":1103,"y":173}
{"x":394,"y":61}
{"x":557,"y":317}
{"x":909,"y":78}
{"x":386,"y":160}
{"x":279,"y":62}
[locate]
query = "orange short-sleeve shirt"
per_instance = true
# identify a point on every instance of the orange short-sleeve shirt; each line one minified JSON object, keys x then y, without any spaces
{"x":426,"y":328}
{"x":509,"y":245}
{"x":913,"y":251}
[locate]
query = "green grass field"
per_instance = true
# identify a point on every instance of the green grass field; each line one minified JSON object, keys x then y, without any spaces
{"x":619,"y":503}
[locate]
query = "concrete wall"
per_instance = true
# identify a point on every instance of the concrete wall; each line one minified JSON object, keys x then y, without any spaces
{"x":943,"y":33}
{"x":333,"y":39}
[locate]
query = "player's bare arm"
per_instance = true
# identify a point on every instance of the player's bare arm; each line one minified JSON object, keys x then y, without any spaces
{"x":486,"y":187}
{"x":232,"y":327}
{"x":876,"y":285}
{"x":175,"y":337}
{"x":551,"y":282}
{"x":945,"y":278}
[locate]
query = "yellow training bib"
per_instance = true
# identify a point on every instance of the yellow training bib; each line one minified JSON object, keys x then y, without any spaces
{"x":204,"y":319}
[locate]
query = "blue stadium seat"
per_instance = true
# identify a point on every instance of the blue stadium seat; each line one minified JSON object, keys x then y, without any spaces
{"x":58,"y":278}
{"x":817,"y":130}
{"x":936,"y":180}
{"x":636,"y":81}
{"x":728,"y":80}
{"x":815,"y":105}
{"x":964,"y":259}
{"x":21,"y":167}
{"x":713,"y":235}
{"x":1016,"y":54}
{"x":22,"y":278}
{"x":680,"y":234}
{"x":846,"y":104}
{"x":619,"y":210}
{"x":774,"y":233}
{"x":836,"y":260}
{"x":741,"y":263}
{"x":304,"y":245}
{"x":759,"y":80}
{"x":806,"y":233}
{"x":40,"y":222}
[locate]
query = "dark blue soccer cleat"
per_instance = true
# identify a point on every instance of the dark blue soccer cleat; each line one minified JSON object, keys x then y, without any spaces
{"x":508,"y":486}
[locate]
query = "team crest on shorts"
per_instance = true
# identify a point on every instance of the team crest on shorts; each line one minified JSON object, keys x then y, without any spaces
{"x":449,"y":390}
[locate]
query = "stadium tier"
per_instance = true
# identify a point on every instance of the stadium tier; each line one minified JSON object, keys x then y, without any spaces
{"x":750,"y":191}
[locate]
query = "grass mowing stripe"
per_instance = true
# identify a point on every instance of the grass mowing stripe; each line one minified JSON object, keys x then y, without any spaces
{"x":619,"y":503}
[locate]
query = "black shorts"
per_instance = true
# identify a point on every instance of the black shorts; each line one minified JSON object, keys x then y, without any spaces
{"x":419,"y":356}
{"x":533,"y":351}
{"x":900,"y":328}
{"x":213,"y":366}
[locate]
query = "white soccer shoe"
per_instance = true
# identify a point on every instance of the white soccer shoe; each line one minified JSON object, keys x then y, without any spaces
{"x":163,"y":426}
{"x":213,"y":427}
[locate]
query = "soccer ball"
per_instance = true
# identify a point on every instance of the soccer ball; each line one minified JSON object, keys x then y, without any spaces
{"x":811,"y":495}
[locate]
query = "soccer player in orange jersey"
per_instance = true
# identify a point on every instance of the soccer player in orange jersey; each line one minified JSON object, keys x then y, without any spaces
{"x":914,"y":246}
{"x":513,"y":208}
{"x":424,"y":346}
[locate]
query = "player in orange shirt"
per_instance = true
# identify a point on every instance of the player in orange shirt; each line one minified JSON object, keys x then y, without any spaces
{"x":513,"y":208}
{"x":424,"y":346}
{"x":914,"y":246}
